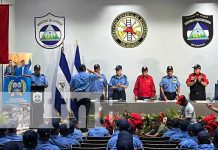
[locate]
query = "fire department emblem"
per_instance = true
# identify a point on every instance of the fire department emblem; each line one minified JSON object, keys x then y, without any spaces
{"x":129,"y":29}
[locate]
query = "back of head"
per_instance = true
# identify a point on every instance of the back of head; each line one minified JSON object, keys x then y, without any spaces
{"x":3,"y":129}
{"x":175,"y":123}
{"x":44,"y":132}
{"x":125,"y":141}
{"x":204,"y":137}
{"x":196,"y":128}
{"x":64,"y":130}
{"x":11,"y":127}
{"x":30,"y":139}
{"x":71,"y":127}
{"x":184,"y":125}
{"x":73,"y":120}
{"x":124,"y":125}
{"x":82,"y":68}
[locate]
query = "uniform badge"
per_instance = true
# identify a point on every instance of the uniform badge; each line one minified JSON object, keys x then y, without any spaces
{"x":129,"y":29}
{"x":49,"y":30}
{"x":197,"y":29}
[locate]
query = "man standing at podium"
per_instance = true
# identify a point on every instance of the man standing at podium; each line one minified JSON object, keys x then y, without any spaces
{"x":197,"y":82}
{"x":39,"y":79}
{"x":24,"y":68}
{"x":144,"y":86}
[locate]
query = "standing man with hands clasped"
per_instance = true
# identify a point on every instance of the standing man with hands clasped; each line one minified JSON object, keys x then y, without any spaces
{"x":144,"y":86}
{"x":197,"y":82}
{"x":170,"y":85}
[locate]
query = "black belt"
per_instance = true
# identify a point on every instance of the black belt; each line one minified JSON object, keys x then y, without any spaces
{"x":170,"y":92}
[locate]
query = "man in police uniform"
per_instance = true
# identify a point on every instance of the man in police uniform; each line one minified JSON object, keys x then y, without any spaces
{"x":37,"y":78}
{"x":118,"y":84}
{"x":170,"y":85}
{"x":99,"y":85}
{"x":197,"y":82}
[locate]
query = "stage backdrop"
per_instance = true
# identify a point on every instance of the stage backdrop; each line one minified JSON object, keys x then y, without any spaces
{"x":89,"y":22}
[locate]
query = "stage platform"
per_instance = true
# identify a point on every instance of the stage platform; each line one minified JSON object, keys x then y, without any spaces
{"x":148,"y":107}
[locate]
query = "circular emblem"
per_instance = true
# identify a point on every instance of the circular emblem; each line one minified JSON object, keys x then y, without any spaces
{"x":50,"y":35}
{"x":129,"y":29}
{"x":37,"y":97}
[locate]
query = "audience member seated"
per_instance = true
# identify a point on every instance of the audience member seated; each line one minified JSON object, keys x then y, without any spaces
{"x":175,"y":128}
{"x":65,"y":135}
{"x":204,"y":141}
{"x":12,"y":132}
{"x":125,"y":141}
{"x":123,"y":126}
{"x":44,"y":132}
{"x":178,"y":137}
{"x":30,"y":140}
{"x":116,"y":130}
{"x":55,"y":139}
{"x":13,"y":146}
{"x":3,"y":138}
{"x":157,"y":129}
{"x":133,"y":132}
{"x":192,"y":142}
{"x":77,"y":134}
{"x":215,"y":139}
{"x":98,"y":131}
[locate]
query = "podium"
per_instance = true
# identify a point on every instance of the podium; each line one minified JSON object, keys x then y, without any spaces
{"x":37,"y":109}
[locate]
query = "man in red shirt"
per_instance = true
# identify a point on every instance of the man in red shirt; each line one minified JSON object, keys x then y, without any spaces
{"x":197,"y":82}
{"x":144,"y":86}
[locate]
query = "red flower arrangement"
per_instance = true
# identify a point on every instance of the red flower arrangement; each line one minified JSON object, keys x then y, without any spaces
{"x":210,"y":123}
{"x":108,"y":122}
{"x":135,"y":120}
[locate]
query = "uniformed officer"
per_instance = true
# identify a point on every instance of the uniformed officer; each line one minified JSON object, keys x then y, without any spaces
{"x":197,"y":82}
{"x":44,"y":133}
{"x":37,"y":78}
{"x":12,"y":132}
{"x":204,"y":140}
{"x":99,"y":85}
{"x":77,"y":133}
{"x":169,"y":85}
{"x":98,"y":131}
{"x":3,"y":138}
{"x":118,"y":84}
{"x":30,"y":140}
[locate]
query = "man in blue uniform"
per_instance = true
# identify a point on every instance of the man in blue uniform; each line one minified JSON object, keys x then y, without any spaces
{"x":30,"y":140}
{"x":175,"y":128}
{"x":80,"y":83}
{"x":192,"y":142}
{"x":12,"y":132}
{"x":98,"y":131}
{"x":37,"y":78}
{"x":24,"y":68}
{"x":55,"y":139}
{"x":178,"y":137}
{"x":204,"y":141}
{"x":169,"y":85}
{"x":65,"y":135}
{"x":77,"y":134}
{"x":99,"y":85}
{"x":3,"y":138}
{"x":44,"y":132}
{"x":118,"y":83}
{"x":123,"y":126}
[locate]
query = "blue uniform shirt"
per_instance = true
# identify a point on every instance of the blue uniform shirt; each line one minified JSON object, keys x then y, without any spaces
{"x":99,"y":84}
{"x":46,"y":145}
{"x":82,"y":81}
{"x":98,"y":132}
{"x":171,"y":132}
{"x":4,"y":139}
{"x":115,"y":133}
{"x":59,"y":141}
{"x":170,"y":84}
{"x":39,"y":80}
{"x":112,"y":143}
{"x":205,"y":147}
{"x":77,"y":134}
{"x":179,"y":136}
{"x":115,"y":80}
{"x":72,"y":141}
{"x":24,"y":69}
{"x":189,"y":143}
{"x":14,"y":137}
